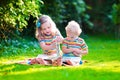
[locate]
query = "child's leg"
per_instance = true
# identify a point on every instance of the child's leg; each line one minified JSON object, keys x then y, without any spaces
{"x":48,"y":62}
{"x":33,"y":61}
{"x":28,"y":61}
{"x":43,"y":61}
{"x":40,"y":61}
{"x":57,"y":62}
{"x":69,"y":62}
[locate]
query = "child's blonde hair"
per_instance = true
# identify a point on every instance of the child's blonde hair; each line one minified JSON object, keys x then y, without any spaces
{"x":74,"y":28}
{"x":43,"y":19}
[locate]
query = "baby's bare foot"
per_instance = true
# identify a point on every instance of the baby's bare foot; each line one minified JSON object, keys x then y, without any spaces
{"x":40,"y":61}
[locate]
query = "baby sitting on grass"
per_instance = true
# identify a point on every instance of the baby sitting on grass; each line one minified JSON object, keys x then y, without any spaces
{"x":73,"y":46}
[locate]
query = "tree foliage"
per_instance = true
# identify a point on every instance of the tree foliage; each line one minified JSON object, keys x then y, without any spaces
{"x":14,"y":15}
{"x":62,"y":11}
{"x":116,"y":18}
{"x":100,"y":15}
{"x":116,"y":13}
{"x":105,"y":14}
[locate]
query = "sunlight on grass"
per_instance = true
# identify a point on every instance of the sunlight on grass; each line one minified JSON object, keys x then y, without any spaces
{"x":12,"y":60}
{"x":113,"y":66}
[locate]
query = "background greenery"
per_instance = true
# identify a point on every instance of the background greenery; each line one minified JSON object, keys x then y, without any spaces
{"x":99,"y":20}
{"x":18,"y":17}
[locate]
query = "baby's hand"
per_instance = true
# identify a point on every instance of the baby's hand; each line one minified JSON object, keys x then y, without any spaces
{"x":53,"y":45}
{"x":58,"y":39}
{"x":78,"y":51}
{"x":76,"y":54}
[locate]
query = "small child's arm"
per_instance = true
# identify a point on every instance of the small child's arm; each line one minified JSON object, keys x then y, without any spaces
{"x":83,"y":48}
{"x":47,"y":47}
{"x":67,"y":50}
{"x":80,"y":51}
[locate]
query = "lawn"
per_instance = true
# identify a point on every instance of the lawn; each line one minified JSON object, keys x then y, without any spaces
{"x":103,"y":63}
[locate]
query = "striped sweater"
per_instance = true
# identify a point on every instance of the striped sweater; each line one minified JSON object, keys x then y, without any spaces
{"x":77,"y":43}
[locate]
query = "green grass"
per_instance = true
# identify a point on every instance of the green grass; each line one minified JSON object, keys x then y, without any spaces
{"x":103,"y":64}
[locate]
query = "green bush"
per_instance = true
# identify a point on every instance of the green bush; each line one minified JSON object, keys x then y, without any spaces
{"x":14,"y":15}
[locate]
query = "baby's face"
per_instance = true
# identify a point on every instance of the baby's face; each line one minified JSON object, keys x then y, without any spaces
{"x":70,"y":36}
